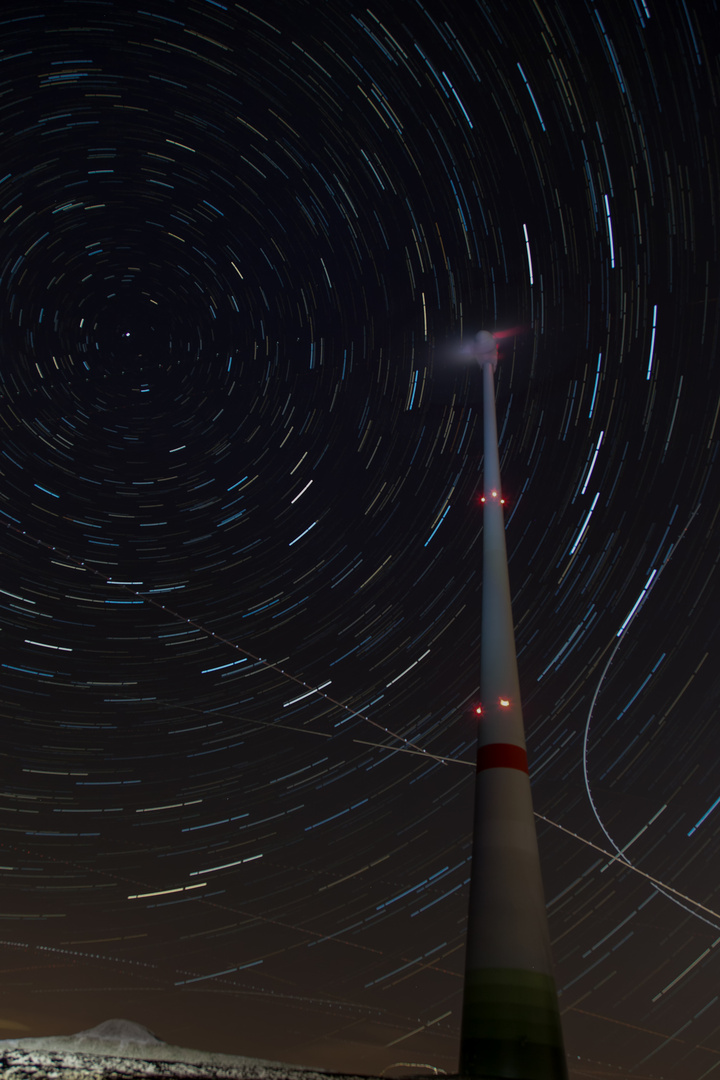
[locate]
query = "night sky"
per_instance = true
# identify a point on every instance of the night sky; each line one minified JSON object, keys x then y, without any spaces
{"x":240,"y":464}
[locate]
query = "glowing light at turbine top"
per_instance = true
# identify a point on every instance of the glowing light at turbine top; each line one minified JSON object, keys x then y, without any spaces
{"x":505,"y":702}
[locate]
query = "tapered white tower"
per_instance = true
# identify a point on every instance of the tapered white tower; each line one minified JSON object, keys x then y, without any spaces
{"x":511,"y":1021}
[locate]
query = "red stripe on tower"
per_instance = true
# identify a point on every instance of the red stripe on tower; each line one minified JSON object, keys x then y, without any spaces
{"x":501,"y":755}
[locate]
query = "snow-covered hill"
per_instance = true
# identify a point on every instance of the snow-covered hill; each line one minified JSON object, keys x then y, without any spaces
{"x":124,"y":1050}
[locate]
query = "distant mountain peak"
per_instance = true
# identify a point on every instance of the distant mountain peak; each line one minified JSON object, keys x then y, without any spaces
{"x":120,"y":1031}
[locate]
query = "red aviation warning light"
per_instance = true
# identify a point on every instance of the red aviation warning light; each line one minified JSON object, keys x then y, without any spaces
{"x":505,"y":702}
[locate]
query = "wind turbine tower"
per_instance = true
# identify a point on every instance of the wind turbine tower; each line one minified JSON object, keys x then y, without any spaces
{"x":511,"y":1020}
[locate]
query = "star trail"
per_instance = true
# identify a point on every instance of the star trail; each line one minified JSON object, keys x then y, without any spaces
{"x":240,"y":479}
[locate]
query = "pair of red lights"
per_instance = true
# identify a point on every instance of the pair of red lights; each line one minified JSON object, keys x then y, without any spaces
{"x":493,"y":495}
{"x":503,"y":702}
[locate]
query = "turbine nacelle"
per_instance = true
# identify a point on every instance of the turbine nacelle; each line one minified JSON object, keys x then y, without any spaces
{"x":485,"y":349}
{"x":484,"y":346}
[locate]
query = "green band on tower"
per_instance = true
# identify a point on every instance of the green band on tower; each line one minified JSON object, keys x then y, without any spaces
{"x":511,"y":1026}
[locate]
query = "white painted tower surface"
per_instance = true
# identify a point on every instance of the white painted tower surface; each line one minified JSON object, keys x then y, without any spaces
{"x":511,"y":1020}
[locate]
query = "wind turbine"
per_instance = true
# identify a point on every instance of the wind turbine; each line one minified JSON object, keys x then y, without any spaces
{"x":511,"y":1020}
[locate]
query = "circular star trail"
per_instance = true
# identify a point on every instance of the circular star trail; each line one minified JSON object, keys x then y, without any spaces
{"x":240,"y":468}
